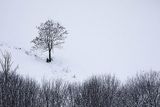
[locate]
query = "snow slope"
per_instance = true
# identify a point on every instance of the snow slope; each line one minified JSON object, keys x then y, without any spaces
{"x":33,"y":65}
{"x":70,"y":67}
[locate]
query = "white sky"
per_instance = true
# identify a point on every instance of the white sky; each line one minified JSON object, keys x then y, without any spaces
{"x":119,"y":36}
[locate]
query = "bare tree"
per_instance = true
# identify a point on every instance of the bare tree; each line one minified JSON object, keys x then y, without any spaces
{"x":142,"y":91}
{"x":5,"y":62}
{"x":51,"y":35}
{"x":99,"y":91}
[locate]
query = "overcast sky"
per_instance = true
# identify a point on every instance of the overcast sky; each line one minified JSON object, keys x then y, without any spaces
{"x":119,"y":36}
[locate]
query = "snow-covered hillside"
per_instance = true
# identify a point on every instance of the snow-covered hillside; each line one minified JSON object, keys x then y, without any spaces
{"x":33,"y":65}
{"x":119,"y":37}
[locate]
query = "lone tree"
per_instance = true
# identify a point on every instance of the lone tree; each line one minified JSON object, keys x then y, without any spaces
{"x":51,"y":35}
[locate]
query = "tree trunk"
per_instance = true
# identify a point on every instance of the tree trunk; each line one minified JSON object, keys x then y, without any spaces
{"x":49,"y":59}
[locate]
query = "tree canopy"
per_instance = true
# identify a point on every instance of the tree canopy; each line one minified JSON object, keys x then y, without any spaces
{"x":50,"y":35}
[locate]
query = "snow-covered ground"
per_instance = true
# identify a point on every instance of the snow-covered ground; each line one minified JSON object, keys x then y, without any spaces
{"x":33,"y":65}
